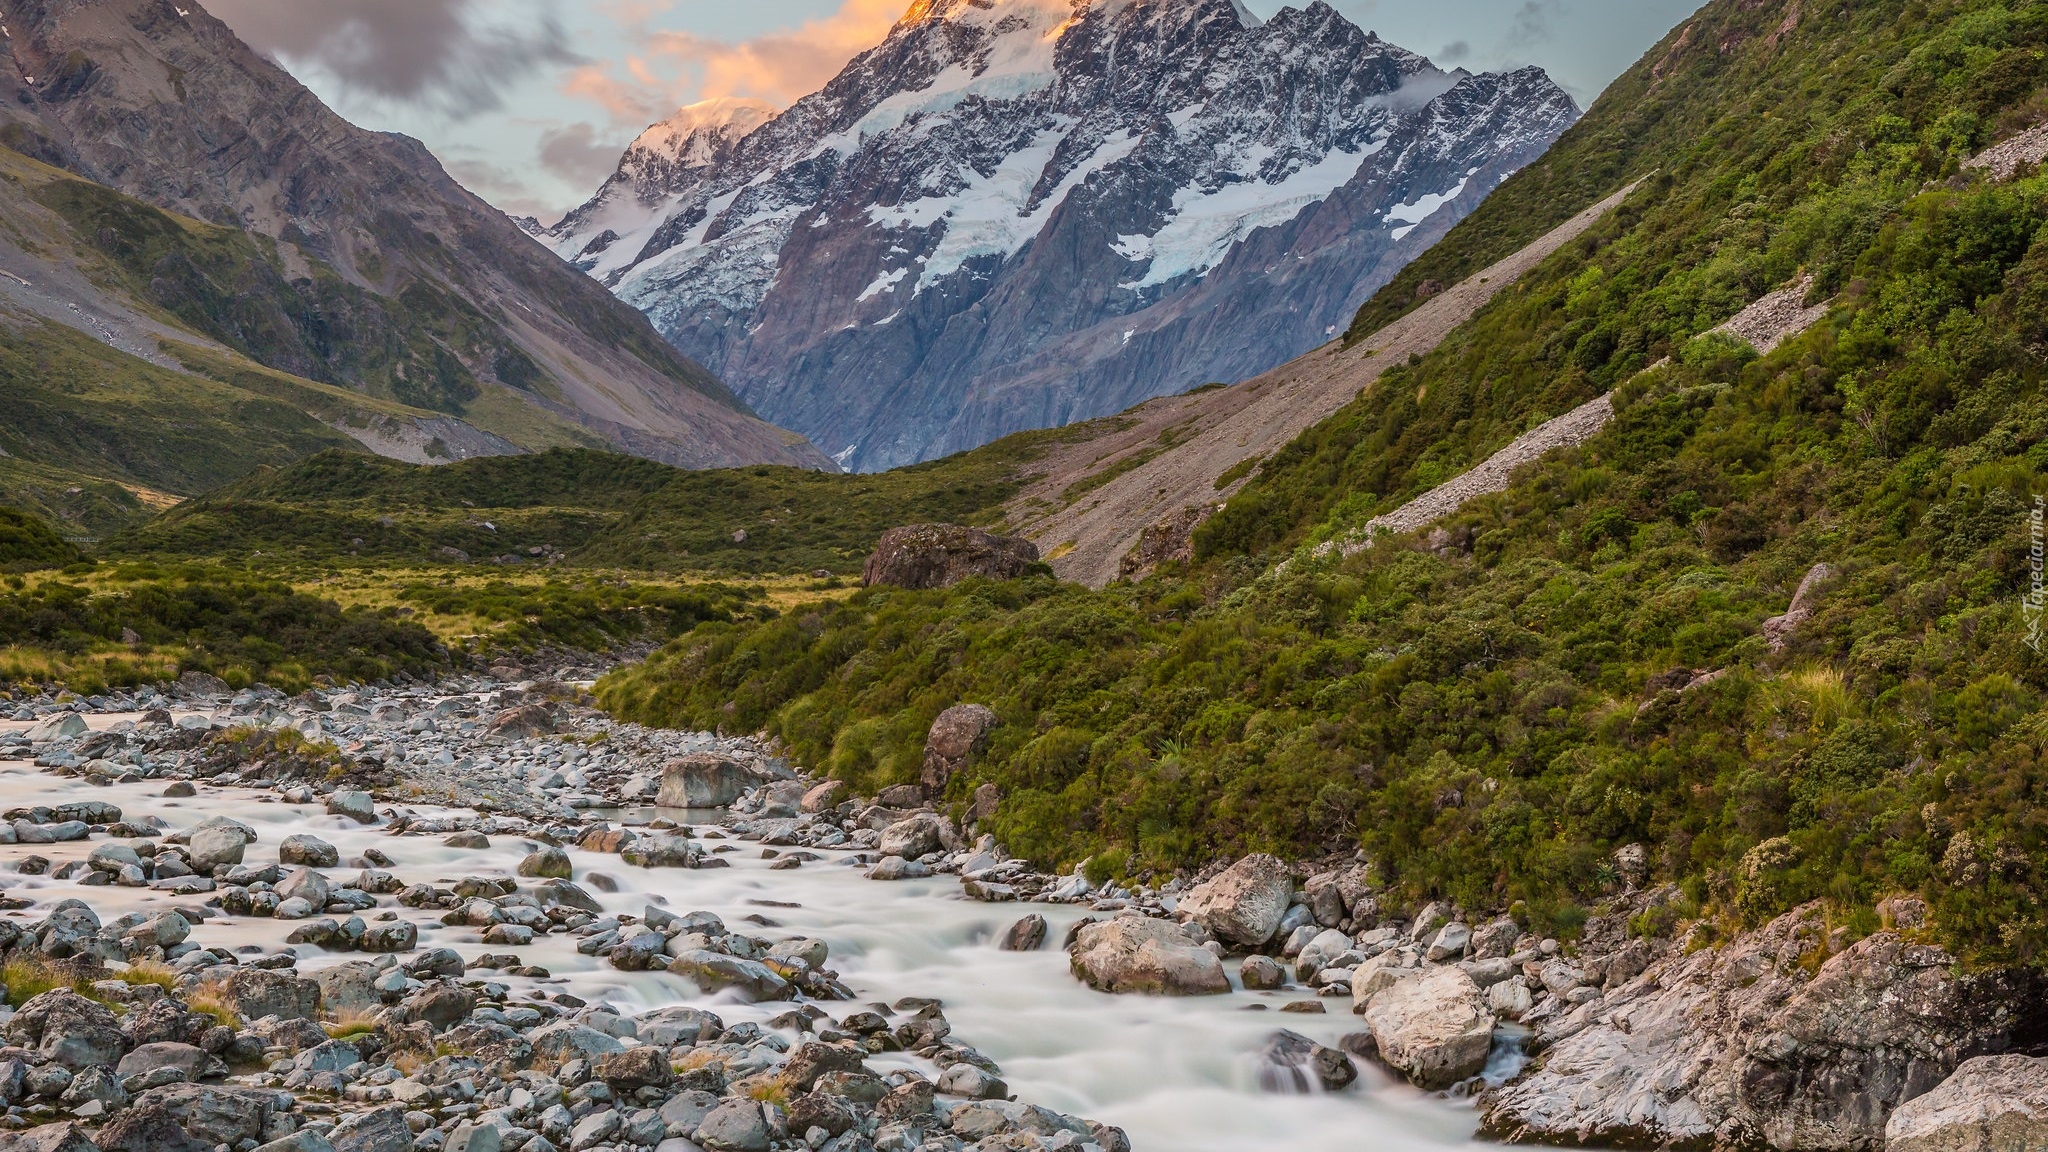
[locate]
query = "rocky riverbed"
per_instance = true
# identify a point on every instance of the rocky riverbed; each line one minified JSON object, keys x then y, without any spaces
{"x":480,"y":916}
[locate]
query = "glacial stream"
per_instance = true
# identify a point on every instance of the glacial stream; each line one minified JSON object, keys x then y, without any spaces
{"x":1177,"y":1074}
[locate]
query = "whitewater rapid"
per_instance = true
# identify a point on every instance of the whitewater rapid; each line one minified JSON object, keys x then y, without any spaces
{"x":1177,"y":1074}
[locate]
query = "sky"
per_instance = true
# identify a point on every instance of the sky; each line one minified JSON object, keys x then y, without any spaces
{"x":530,"y":102}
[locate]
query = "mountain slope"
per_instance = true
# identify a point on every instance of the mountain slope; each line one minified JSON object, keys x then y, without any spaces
{"x":117,"y":403}
{"x":380,"y":273}
{"x":1028,"y":212}
{"x":1604,"y":654}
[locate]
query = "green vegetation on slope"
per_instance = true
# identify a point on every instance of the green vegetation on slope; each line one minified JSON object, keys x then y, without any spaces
{"x":73,"y":403}
{"x":595,"y":508}
{"x":28,"y":542}
{"x":1491,"y":717}
{"x":425,"y":347}
{"x":144,"y":622}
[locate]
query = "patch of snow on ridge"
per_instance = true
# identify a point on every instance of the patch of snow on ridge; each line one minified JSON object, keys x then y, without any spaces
{"x":1019,"y":62}
{"x":1204,"y":227}
{"x":886,"y":282}
{"x":1425,"y":206}
{"x":988,"y":217}
{"x":681,"y":136}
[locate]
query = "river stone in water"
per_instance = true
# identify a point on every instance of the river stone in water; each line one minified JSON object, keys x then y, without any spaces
{"x":1990,"y":1104}
{"x":310,"y":851}
{"x":1244,"y":903}
{"x":550,"y":862}
{"x":704,"y":780}
{"x":217,"y":840}
{"x":357,"y":806}
{"x":1434,"y":1028}
{"x":914,"y":836}
{"x":712,"y":971}
{"x":1026,"y":935}
{"x":1138,"y":954}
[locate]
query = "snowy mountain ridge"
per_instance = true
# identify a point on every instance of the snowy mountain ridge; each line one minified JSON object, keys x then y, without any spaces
{"x":1014,"y":213}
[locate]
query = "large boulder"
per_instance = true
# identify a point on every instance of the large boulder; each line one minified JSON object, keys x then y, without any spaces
{"x":704,"y":780}
{"x":525,"y":720}
{"x":215,"y":841}
{"x":1433,"y":1028}
{"x":307,"y":851}
{"x":712,"y":971}
{"x":915,"y":835}
{"x":350,"y":988}
{"x":62,"y":1136}
{"x":1991,"y":1104}
{"x":1140,"y":954}
{"x":378,"y":1130}
{"x":68,"y":930}
{"x":215,"y":1113}
{"x":1243,"y":903}
{"x":1747,"y":1044}
{"x":941,"y":555}
{"x":193,"y":1062}
{"x":958,"y":733}
{"x":149,"y":1128}
{"x":259,"y":992}
{"x":63,"y":1027}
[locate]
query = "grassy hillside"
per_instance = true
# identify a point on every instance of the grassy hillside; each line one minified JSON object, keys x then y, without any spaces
{"x":27,"y":542}
{"x":589,"y":508}
{"x":1491,"y":716}
{"x":77,"y":404}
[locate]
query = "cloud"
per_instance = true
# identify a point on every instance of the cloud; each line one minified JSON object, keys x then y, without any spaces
{"x":442,"y":53}
{"x":577,"y":154}
{"x":675,"y":67}
{"x":1532,"y":22}
{"x":1454,"y":52}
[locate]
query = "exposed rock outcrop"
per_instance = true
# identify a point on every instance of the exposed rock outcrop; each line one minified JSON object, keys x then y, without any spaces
{"x":958,"y":733}
{"x":1778,"y":630}
{"x":1747,"y":1044}
{"x":1991,"y":1104}
{"x":941,"y":555}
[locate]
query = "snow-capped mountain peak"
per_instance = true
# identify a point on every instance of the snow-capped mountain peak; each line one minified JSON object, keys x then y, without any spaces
{"x":1009,"y":213}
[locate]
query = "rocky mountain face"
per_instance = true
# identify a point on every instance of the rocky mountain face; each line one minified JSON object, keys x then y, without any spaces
{"x":382,"y":274}
{"x":1018,"y":213}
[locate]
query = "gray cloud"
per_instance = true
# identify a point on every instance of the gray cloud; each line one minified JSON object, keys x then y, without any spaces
{"x":422,"y":51}
{"x":1454,"y":52}
{"x":578,"y":155}
{"x":1532,"y":22}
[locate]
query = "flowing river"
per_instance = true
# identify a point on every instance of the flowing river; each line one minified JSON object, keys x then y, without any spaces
{"x":1177,"y":1074}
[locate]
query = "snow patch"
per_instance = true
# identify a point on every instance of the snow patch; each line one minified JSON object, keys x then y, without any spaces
{"x":989,"y":217}
{"x":1204,"y":227}
{"x":1423,"y":208}
{"x":886,"y":282}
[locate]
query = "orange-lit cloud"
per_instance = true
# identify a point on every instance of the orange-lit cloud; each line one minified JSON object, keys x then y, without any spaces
{"x":673,"y":68}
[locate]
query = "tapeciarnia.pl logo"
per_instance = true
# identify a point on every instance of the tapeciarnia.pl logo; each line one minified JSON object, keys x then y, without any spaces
{"x":2032,"y":603}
